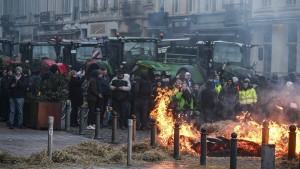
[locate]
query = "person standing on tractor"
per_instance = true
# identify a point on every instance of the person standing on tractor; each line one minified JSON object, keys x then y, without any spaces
{"x":247,"y":97}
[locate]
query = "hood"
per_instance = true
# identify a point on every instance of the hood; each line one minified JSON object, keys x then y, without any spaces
{"x":154,"y":65}
{"x":241,"y":73}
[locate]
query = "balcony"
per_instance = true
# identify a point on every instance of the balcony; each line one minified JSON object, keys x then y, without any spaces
{"x":236,"y":14}
{"x":132,"y":9}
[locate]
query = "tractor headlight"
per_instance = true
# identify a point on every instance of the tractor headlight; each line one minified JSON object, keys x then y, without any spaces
{"x":168,"y":73}
{"x":157,"y":72}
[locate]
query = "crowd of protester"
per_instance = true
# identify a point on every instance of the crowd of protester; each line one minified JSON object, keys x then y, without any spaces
{"x":216,"y":99}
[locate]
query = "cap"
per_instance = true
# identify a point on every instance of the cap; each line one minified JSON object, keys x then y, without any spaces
{"x":19,"y":68}
{"x":247,"y":80}
{"x":120,"y":71}
{"x":235,"y":79}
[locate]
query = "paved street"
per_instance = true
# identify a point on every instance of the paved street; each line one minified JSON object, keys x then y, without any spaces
{"x":23,"y":142}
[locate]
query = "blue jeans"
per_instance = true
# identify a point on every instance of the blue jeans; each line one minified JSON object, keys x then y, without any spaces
{"x":16,"y":104}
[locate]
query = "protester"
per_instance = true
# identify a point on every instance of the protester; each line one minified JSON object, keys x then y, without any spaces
{"x":228,"y":98}
{"x":92,"y":98}
{"x":121,"y":87}
{"x":5,"y":93}
{"x":105,"y":81}
{"x":17,"y":91}
{"x":208,"y":101}
{"x":75,"y":95}
{"x":247,"y":97}
{"x":142,"y":96}
{"x":190,"y":82}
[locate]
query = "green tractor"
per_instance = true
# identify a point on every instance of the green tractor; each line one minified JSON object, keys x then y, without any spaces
{"x":132,"y":54}
{"x":6,"y":51}
{"x":209,"y":57}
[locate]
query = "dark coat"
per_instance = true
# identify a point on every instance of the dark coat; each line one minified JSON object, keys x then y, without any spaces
{"x":75,"y":90}
{"x":92,"y":94}
{"x":19,"y":90}
{"x":105,"y":82}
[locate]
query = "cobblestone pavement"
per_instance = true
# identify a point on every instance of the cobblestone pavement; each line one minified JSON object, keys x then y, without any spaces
{"x":26,"y":141}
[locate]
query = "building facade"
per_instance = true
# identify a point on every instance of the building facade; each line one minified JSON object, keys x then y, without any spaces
{"x":272,"y":25}
{"x":275,"y":25}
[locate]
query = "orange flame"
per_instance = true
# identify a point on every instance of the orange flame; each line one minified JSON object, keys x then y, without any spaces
{"x":166,"y":123}
{"x":246,"y":128}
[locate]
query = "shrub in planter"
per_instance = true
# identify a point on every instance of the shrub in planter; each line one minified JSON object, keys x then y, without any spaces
{"x":53,"y":92}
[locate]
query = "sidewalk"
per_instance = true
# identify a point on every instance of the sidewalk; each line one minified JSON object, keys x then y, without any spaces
{"x":23,"y":142}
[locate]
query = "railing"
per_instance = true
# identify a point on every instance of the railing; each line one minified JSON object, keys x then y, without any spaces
{"x":132,"y":9}
{"x":180,"y":59}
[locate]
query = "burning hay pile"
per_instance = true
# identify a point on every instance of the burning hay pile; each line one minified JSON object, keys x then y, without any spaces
{"x":248,"y":130}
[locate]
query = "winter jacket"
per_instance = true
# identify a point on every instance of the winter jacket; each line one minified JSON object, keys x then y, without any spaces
{"x":19,"y":90}
{"x":120,"y":88}
{"x":185,"y":100}
{"x":247,"y":96}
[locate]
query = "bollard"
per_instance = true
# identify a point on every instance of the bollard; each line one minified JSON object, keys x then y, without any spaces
{"x":83,"y":109}
{"x":176,"y":141}
{"x":67,"y":118}
{"x":233,"y":151}
{"x":203,"y":147}
{"x":268,"y":156}
{"x":133,"y":117}
{"x":265,"y":133}
{"x":292,"y":142}
{"x":50,"y":136}
{"x":114,"y":127}
{"x":97,"y":125}
{"x":153,"y":133}
{"x":129,"y":149}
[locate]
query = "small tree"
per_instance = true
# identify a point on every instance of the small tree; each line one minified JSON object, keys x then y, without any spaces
{"x":54,"y":89}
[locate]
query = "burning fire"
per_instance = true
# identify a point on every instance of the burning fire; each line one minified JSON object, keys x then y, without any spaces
{"x":166,"y":123}
{"x":246,"y":128}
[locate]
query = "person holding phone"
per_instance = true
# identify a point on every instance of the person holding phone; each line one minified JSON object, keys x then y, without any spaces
{"x":17,"y":91}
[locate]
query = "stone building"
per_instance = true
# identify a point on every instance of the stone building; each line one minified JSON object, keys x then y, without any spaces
{"x":276,"y":26}
{"x":272,"y":25}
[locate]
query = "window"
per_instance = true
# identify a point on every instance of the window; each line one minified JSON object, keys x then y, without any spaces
{"x":292,"y":33}
{"x":104,"y":4}
{"x":268,"y":34}
{"x":267,"y":59}
{"x":292,"y":63}
{"x":224,"y":4}
{"x":266,"y":3}
{"x":214,"y":6}
{"x":290,"y":2}
{"x":95,"y":5}
{"x":66,"y":6}
{"x":176,"y":6}
{"x":115,"y":4}
{"x":85,"y":5}
{"x":207,"y":5}
{"x":190,"y":5}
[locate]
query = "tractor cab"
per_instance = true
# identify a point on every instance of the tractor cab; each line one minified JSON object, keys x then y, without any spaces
{"x":41,"y":55}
